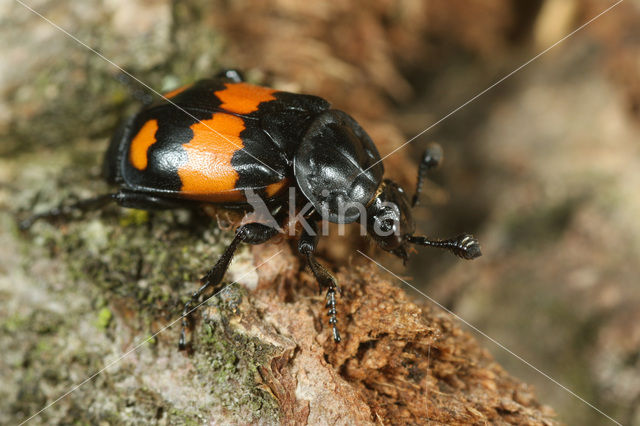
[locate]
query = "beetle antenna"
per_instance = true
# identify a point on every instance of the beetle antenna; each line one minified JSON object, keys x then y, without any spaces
{"x":431,"y":159}
{"x":464,"y":246}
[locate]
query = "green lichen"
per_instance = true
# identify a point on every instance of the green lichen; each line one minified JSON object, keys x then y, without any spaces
{"x":123,"y":271}
{"x":148,"y":267}
{"x":177,"y":416}
{"x":134,"y":217}
{"x":13,"y":323}
{"x":42,"y":347}
{"x":150,"y":263}
{"x":228,"y":363}
{"x":104,"y":318}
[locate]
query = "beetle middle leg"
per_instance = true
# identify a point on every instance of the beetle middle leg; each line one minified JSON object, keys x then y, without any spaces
{"x":307,"y":246}
{"x":251,"y":233}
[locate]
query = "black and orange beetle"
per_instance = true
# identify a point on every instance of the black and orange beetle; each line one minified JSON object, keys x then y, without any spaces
{"x":211,"y":142}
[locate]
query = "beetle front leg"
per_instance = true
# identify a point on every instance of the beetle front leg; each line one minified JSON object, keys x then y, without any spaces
{"x":307,"y":246}
{"x":251,"y":233}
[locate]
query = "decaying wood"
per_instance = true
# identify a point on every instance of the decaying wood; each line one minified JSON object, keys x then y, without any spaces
{"x":400,"y":362}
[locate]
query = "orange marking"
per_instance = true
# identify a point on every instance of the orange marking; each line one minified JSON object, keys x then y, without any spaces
{"x":274,"y":188}
{"x":243,"y":98}
{"x":176,"y":92}
{"x":208,"y":174}
{"x":141,"y":143}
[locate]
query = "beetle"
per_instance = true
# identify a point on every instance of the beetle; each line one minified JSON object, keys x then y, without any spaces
{"x":211,"y":142}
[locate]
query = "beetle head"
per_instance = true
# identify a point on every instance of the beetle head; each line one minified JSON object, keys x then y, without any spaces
{"x":389,"y":219}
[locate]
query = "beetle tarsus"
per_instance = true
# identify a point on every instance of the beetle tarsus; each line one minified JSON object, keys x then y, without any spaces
{"x":182,"y":342}
{"x":231,"y":74}
{"x":431,"y":159}
{"x":467,"y":247}
{"x":333,"y":320}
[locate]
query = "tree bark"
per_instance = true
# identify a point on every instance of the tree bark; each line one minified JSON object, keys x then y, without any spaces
{"x":87,"y":302}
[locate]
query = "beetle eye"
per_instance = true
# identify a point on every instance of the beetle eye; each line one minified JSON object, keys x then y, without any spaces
{"x":387,"y":225}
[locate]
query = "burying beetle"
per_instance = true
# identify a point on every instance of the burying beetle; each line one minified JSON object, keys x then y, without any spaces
{"x":216,"y":140}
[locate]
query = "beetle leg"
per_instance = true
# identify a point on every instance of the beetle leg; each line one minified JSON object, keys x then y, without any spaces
{"x":135,"y":88}
{"x":144,"y":201}
{"x":251,"y":233}
{"x":65,"y":210}
{"x":464,"y":246}
{"x":125,"y":198}
{"x":307,"y":246}
{"x":430,"y":160}
{"x":231,"y":74}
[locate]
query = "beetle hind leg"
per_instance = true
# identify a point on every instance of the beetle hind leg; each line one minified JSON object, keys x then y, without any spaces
{"x":65,"y":210}
{"x":125,"y":198}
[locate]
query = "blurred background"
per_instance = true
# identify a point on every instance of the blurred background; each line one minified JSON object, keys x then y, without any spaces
{"x":543,"y":168}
